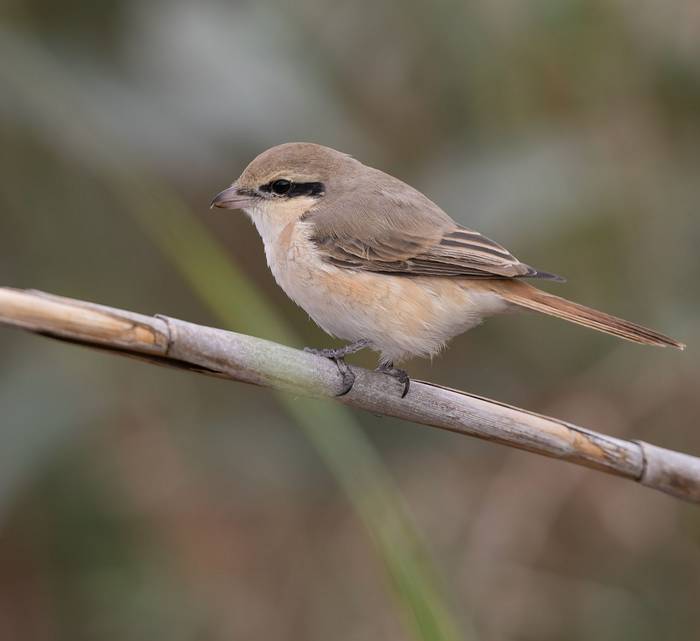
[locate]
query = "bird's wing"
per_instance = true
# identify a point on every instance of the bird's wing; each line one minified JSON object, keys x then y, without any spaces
{"x":400,"y":231}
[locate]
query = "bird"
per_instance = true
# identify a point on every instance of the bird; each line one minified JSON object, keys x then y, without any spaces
{"x":375,"y":262}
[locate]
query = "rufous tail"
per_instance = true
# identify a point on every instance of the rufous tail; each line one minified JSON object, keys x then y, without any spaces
{"x":530,"y":297}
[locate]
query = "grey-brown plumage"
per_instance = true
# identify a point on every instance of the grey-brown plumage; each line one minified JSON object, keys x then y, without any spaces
{"x":387,"y":226}
{"x":373,"y":260}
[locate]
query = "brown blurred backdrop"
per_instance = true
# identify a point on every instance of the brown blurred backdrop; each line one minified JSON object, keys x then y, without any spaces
{"x":140,"y":503}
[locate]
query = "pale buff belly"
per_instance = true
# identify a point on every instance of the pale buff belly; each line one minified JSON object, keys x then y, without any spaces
{"x":401,"y":316}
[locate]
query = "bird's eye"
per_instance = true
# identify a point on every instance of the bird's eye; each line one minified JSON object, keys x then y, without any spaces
{"x":281,"y":187}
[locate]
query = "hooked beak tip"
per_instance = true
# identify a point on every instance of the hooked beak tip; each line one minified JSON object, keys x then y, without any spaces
{"x":232,"y":198}
{"x":222,"y":198}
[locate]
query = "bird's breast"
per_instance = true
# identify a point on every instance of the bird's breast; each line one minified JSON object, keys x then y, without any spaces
{"x":402,"y":316}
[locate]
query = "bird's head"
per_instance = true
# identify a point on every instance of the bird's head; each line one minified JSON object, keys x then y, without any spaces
{"x":288,"y":180}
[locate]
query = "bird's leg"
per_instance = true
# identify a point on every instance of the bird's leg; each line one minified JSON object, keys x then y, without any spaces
{"x":399,"y":374}
{"x":339,"y":352}
{"x":338,"y":357}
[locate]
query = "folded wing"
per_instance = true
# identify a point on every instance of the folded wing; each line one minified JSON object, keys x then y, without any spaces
{"x":405,"y":233}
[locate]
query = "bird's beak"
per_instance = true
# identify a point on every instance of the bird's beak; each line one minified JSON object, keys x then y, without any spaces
{"x":232,"y":198}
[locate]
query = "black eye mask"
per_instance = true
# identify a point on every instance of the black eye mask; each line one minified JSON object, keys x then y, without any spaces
{"x":289,"y":189}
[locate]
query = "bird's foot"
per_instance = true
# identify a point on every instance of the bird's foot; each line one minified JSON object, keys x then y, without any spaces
{"x":346,"y":375}
{"x":338,"y":357}
{"x":399,"y":374}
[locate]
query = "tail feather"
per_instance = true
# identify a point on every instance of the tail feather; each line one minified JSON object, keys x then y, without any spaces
{"x":530,"y":297}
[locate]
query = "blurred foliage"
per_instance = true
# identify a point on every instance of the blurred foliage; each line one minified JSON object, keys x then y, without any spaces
{"x":139,"y":503}
{"x":202,"y":263}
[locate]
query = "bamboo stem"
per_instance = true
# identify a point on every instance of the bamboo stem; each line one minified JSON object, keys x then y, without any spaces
{"x":177,"y":343}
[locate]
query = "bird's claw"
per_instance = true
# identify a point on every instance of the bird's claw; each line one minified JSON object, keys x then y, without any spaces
{"x":399,"y":374}
{"x":336,"y":355}
{"x":346,"y":374}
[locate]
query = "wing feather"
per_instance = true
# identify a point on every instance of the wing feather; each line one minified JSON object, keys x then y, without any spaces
{"x":395,"y":229}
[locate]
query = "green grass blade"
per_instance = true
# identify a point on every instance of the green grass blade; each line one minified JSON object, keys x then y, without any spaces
{"x":71,"y":122}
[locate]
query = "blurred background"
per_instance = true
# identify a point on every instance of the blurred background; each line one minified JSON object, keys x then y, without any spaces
{"x":140,"y":503}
